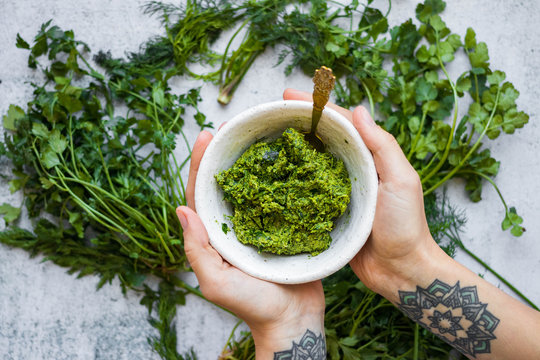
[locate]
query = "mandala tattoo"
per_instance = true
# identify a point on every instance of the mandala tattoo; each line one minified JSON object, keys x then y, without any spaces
{"x":310,"y":347}
{"x":454,"y":314}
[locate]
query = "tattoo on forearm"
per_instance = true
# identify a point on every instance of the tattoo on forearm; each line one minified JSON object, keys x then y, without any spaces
{"x":310,"y":346}
{"x":454,"y":314}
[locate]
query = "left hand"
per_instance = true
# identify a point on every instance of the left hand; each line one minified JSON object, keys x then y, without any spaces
{"x":276,"y":314}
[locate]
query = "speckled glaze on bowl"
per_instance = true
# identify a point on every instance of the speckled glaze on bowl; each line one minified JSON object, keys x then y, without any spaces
{"x":267,"y":122}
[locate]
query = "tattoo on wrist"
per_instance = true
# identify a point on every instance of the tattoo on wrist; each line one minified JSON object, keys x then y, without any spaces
{"x":454,"y":314}
{"x":310,"y":346}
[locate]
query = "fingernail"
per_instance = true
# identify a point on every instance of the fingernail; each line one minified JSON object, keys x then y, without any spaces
{"x":366,"y":116}
{"x":182,"y":218}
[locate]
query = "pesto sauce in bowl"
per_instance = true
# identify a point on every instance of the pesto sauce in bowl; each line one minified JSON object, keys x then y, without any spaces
{"x":286,"y":195}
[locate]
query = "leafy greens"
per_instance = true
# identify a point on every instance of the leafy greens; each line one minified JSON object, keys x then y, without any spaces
{"x":94,"y":151}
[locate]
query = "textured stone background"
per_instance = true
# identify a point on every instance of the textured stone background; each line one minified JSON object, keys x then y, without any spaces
{"x":48,"y":314}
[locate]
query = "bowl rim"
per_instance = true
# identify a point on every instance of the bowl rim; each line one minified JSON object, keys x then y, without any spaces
{"x":370,"y":197}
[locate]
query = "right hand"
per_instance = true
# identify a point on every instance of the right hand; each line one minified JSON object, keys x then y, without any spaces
{"x":400,"y":242}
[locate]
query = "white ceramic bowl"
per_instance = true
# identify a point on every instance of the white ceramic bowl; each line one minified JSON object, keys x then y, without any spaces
{"x":267,"y":122}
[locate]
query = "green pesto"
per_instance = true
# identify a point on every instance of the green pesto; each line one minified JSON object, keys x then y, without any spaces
{"x":286,"y":196}
{"x":225,"y":228}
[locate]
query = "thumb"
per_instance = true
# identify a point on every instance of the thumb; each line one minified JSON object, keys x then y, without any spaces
{"x":389,"y":159}
{"x":203,"y":258}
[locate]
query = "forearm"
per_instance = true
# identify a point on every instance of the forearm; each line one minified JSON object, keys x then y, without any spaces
{"x":472,"y":315}
{"x":304,"y":335}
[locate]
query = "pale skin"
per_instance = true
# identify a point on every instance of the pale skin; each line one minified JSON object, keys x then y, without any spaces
{"x":399,"y":256}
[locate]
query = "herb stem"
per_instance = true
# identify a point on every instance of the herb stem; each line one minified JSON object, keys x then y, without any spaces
{"x":431,"y":161}
{"x":231,"y":336}
{"x":345,"y":298}
{"x":478,"y":173}
{"x":158,"y":193}
{"x":416,"y":338}
{"x":155,"y":217}
{"x":460,"y":244}
{"x":176,"y":118}
{"x":385,"y":333}
{"x":229,"y":87}
{"x":171,"y":257}
{"x":71,"y":149}
{"x":97,"y":215}
{"x":162,"y":111}
{"x":475,"y":77}
{"x":143,"y":219}
{"x":366,"y":301}
{"x":471,"y":151}
{"x":417,"y":137}
{"x":454,"y":120}
{"x":179,"y":185}
{"x":185,"y":141}
{"x":370,"y":99}
{"x":106,"y":170}
{"x":224,"y":56}
{"x":389,"y":8}
{"x":165,"y":223}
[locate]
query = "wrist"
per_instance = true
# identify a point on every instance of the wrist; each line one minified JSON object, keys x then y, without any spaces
{"x":280,"y":335}
{"x":419,"y":268}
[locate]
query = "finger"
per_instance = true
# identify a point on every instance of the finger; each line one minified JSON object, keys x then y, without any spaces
{"x":203,"y":258}
{"x":222,"y":125}
{"x":389,"y":159}
{"x":293,"y":94}
{"x":197,"y":153}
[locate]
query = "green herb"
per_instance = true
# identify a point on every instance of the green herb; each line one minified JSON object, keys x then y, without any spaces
{"x":108,"y":177}
{"x":309,"y":34}
{"x":93,"y":149}
{"x":414,"y":111}
{"x":164,"y":301}
{"x":286,"y":195}
{"x":88,"y":163}
{"x":9,"y":212}
{"x":413,"y":101}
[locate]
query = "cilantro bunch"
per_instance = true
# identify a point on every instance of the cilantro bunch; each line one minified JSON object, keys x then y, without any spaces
{"x":425,"y":96}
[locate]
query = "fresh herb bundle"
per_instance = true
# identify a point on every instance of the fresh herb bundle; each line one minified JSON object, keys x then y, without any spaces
{"x":96,"y":152}
{"x":95,"y":149}
{"x":412,"y":102}
{"x":79,"y":160}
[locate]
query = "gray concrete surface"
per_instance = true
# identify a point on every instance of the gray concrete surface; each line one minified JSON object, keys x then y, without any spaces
{"x":48,"y":314}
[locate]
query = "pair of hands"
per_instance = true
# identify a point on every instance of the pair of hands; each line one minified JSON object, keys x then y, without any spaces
{"x":400,"y":241}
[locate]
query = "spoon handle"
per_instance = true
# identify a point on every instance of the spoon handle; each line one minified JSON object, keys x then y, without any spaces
{"x":324,"y":82}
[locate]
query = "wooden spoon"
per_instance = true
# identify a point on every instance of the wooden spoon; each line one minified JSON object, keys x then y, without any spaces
{"x":324,"y":82}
